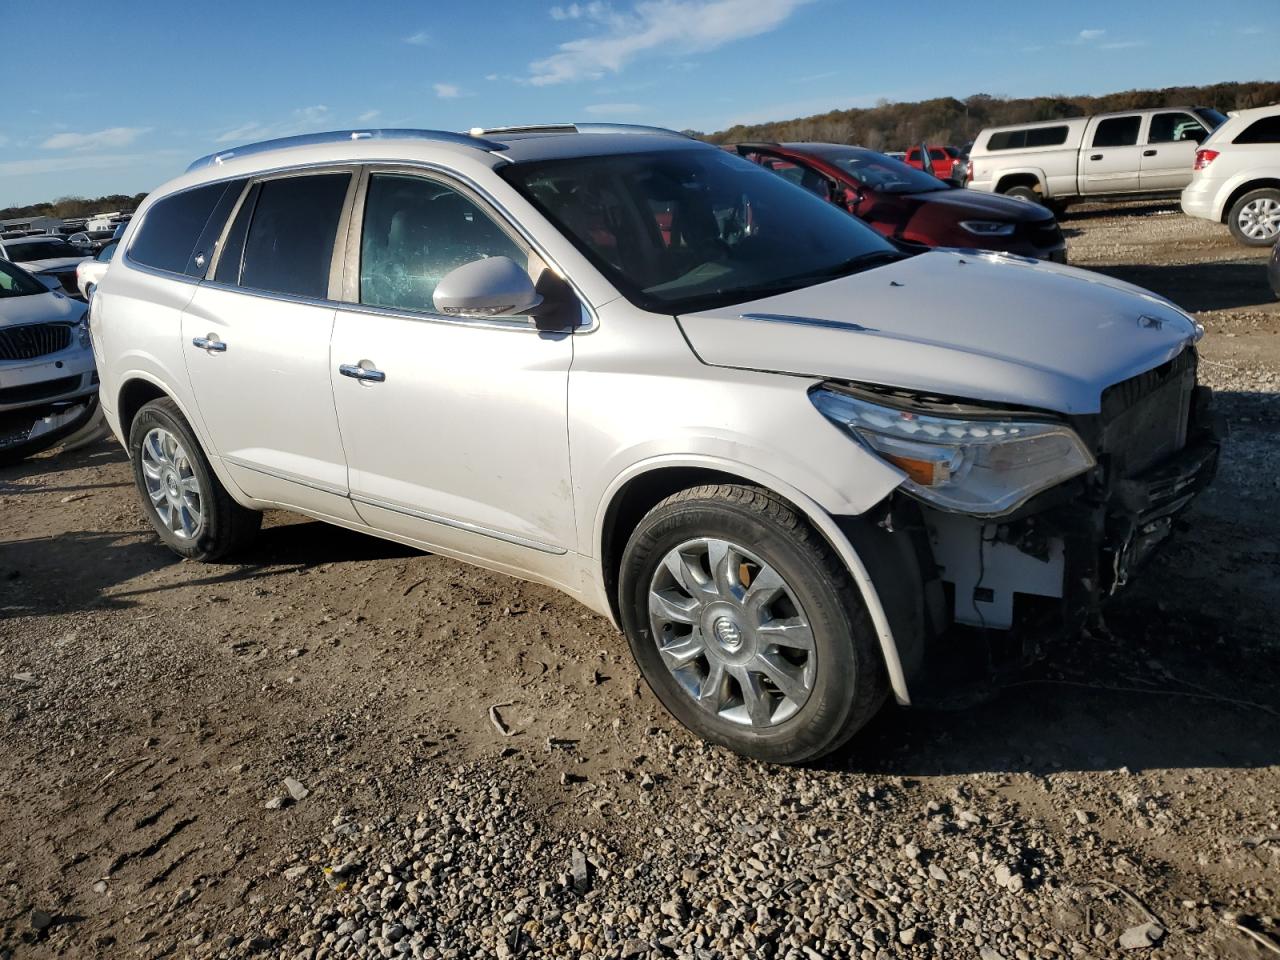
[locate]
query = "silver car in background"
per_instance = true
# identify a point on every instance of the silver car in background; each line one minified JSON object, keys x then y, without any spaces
{"x":783,"y":454}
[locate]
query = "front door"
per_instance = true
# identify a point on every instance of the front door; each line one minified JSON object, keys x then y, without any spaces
{"x":1111,"y":160}
{"x":256,"y":338}
{"x":455,"y":430}
{"x":1170,"y":152}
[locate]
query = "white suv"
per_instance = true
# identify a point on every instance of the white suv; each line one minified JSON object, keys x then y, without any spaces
{"x":780,"y":452}
{"x":1237,"y":177}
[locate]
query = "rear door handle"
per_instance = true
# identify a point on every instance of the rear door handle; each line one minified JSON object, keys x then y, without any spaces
{"x":357,"y":372}
{"x":1149,"y":153}
{"x":1096,"y":156}
{"x":213,"y":346}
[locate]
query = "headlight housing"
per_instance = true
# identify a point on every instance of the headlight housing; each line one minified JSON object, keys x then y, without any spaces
{"x":979,"y":466}
{"x":988,"y":228}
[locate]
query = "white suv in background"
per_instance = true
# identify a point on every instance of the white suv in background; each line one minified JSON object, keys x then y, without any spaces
{"x":1237,"y":177}
{"x":781,"y":452}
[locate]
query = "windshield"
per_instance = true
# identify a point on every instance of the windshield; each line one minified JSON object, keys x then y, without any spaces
{"x":24,"y":250}
{"x":15,"y":282}
{"x":1211,"y":116}
{"x":876,"y":171}
{"x":685,"y":230}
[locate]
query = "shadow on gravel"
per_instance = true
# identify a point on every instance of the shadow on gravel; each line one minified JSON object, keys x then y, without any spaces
{"x":1159,"y":691}
{"x":85,"y":570}
{"x":1099,"y":211}
{"x":97,"y":454}
{"x":1201,"y":286}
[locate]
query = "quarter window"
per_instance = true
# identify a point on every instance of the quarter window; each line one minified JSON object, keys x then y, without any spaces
{"x":1266,"y":130}
{"x":173,"y":225}
{"x":289,"y":248}
{"x":1117,"y":132}
{"x":417,"y":230}
{"x":1175,"y":127}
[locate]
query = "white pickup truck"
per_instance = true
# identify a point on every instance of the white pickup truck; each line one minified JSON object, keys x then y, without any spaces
{"x":1104,"y":157}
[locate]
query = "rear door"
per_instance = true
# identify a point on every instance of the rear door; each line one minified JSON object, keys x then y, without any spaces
{"x":1169,"y":153}
{"x":455,"y":429}
{"x":1111,"y":159}
{"x":256,"y":340}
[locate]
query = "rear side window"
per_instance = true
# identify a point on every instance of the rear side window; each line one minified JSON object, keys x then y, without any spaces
{"x":289,"y":247}
{"x":1117,"y":132}
{"x":1266,"y":130}
{"x":166,"y":238}
{"x":417,"y":230}
{"x":1027,"y":137}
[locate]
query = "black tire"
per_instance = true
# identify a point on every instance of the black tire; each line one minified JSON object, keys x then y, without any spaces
{"x":13,"y":455}
{"x":225,"y":526}
{"x":1239,"y":211}
{"x":1030,"y":194}
{"x":849,"y":683}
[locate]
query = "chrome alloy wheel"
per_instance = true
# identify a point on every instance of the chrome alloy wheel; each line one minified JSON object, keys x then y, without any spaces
{"x":1260,"y":219}
{"x":731,"y":633}
{"x":172,"y":484}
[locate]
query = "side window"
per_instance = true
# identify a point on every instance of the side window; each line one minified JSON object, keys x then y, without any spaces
{"x":289,"y":247}
{"x":1266,"y":130}
{"x":1117,"y":132}
{"x":1174,"y":127}
{"x":417,"y":230}
{"x":1046,"y":136}
{"x":173,"y":225}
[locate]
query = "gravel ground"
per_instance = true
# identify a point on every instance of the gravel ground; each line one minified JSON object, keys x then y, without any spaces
{"x":337,"y":747}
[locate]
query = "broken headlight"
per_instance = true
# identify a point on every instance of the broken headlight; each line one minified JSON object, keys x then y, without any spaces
{"x":986,"y":467}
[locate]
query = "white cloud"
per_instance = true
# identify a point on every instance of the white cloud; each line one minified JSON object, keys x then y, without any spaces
{"x":84,"y":161}
{"x":1252,"y":31}
{"x":576,"y":11}
{"x":369,"y":116}
{"x":447,"y":91}
{"x":654,"y":27}
{"x":1088,"y":36}
{"x":1123,"y":45}
{"x":615,"y":109}
{"x":302,"y":120}
{"x":419,"y":39}
{"x":98,"y":140}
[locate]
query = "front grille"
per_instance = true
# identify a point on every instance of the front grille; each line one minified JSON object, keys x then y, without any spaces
{"x":1145,"y":417}
{"x":30,"y":392}
{"x":33,"y":340}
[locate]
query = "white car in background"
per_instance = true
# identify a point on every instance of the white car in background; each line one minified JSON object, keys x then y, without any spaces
{"x":46,"y":257}
{"x":89,"y":272}
{"x":1237,"y":177}
{"x":48,"y":385}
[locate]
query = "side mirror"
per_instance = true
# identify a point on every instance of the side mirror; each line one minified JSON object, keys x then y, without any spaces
{"x":492,"y":287}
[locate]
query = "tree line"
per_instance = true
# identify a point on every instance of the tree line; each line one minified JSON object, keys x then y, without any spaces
{"x":67,"y":207}
{"x":895,"y":126}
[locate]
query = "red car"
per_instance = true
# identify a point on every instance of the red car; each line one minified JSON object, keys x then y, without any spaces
{"x":947,"y":163}
{"x":908,"y":204}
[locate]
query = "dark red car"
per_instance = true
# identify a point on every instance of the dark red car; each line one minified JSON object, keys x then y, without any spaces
{"x":942,"y":159}
{"x":909,"y":204}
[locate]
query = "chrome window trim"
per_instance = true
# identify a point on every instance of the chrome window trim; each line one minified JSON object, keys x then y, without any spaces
{"x":462,"y":525}
{"x":588,"y":308}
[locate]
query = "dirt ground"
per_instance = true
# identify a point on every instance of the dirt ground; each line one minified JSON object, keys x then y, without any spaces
{"x":149,"y":709}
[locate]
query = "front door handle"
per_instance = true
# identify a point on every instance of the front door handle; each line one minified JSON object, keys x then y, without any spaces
{"x":357,"y":372}
{"x":1096,"y":156}
{"x":212,"y":345}
{"x":1149,"y":153}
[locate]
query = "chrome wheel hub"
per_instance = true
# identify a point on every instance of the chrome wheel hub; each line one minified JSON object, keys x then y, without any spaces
{"x":732,"y":633}
{"x":1260,"y":219}
{"x":172,"y":486}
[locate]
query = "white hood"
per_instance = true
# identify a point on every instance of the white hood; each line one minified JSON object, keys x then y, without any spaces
{"x":969,"y":325}
{"x":39,"y":308}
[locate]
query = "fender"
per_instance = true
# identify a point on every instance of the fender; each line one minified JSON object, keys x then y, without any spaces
{"x":814,"y":513}
{"x":1000,"y":173}
{"x":1220,"y":211}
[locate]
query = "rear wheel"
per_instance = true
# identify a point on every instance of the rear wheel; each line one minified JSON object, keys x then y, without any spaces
{"x":181,"y":496}
{"x":1029,"y":194}
{"x":746,"y":625}
{"x":1255,"y":218}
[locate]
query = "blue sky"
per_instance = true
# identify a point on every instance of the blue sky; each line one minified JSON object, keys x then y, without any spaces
{"x":122,"y":95}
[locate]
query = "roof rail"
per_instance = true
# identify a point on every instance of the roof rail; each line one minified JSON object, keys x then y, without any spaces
{"x":338,"y":136}
{"x":574,"y":128}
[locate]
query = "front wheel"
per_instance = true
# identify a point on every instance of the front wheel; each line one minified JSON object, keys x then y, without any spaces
{"x":181,"y":496}
{"x":746,"y":625}
{"x":1255,"y":218}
